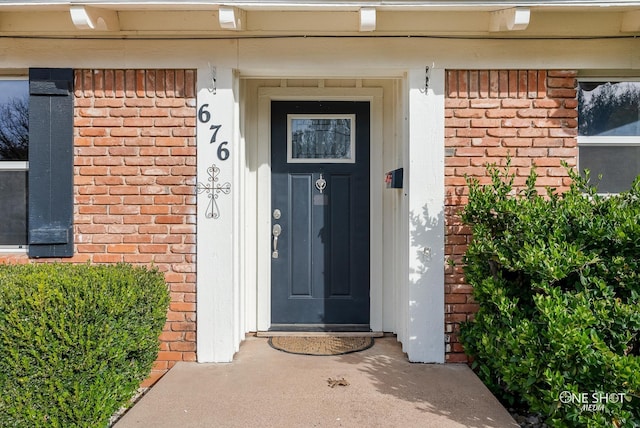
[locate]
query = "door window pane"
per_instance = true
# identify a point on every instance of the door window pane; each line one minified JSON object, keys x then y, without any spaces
{"x":321,"y":139}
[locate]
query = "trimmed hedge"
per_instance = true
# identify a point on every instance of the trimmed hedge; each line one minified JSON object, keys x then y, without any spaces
{"x":557,"y":278}
{"x":76,"y":340}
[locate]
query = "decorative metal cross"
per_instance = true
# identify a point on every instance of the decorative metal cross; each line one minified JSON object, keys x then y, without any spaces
{"x":213,"y":190}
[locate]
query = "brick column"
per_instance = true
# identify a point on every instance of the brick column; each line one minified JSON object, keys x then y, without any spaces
{"x":135,"y":167}
{"x":529,"y":115}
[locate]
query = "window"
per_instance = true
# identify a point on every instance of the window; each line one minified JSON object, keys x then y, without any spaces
{"x":321,"y":138}
{"x":609,"y":132}
{"x":14,"y":165}
{"x":36,"y":163}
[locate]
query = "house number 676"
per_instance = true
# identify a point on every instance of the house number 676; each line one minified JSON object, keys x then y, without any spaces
{"x":204,"y":116}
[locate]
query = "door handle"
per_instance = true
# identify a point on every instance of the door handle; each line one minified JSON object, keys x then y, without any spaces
{"x":277,"y":230}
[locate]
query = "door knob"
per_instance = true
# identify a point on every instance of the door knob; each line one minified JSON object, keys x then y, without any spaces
{"x":277,"y":230}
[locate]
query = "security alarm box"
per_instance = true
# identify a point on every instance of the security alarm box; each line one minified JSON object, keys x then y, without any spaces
{"x":393,"y":179}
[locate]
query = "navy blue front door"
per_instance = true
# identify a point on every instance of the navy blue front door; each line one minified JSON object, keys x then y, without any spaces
{"x":320,"y":214}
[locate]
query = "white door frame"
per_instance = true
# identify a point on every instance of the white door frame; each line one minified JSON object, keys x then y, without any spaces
{"x":265,"y":96}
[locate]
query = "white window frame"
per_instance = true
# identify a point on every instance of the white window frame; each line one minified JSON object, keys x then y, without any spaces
{"x":606,"y":141}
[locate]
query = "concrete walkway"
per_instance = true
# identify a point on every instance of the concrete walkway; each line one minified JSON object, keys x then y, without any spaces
{"x":264,"y":387}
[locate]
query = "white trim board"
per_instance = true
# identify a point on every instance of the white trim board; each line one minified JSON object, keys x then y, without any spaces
{"x":407,"y":273}
{"x":425,"y":337}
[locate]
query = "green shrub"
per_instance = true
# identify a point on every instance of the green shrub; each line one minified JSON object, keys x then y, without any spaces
{"x":75,"y":341}
{"x":557,"y":278}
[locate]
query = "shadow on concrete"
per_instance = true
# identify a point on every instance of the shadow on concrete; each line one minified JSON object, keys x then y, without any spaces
{"x":450,"y":391}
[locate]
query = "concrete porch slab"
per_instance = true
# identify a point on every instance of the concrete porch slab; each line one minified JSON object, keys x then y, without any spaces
{"x":264,"y":387}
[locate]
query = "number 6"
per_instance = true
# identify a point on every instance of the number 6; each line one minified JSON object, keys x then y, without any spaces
{"x":223,"y":152}
{"x":203,"y":115}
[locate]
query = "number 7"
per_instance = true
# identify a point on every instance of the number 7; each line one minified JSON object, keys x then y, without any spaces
{"x":215,"y":129}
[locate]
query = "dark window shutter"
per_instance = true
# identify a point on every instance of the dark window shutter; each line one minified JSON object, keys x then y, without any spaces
{"x":50,"y":162}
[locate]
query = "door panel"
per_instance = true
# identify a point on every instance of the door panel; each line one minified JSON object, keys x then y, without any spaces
{"x":340,"y":213}
{"x":301,"y":251}
{"x":320,"y":272}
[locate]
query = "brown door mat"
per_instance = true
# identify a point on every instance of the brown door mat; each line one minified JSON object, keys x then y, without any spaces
{"x":321,"y":345}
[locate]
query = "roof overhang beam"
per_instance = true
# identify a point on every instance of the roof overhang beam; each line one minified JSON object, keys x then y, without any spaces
{"x":512,"y":19}
{"x":93,"y":18}
{"x":231,"y":18}
{"x":367,"y":19}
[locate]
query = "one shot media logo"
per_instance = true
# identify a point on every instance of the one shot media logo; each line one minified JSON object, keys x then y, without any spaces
{"x":592,"y":401}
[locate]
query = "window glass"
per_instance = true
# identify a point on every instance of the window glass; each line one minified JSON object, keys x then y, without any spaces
{"x":13,"y":209}
{"x":321,"y":138}
{"x":609,"y":108}
{"x":609,"y":133}
{"x":14,"y":150}
{"x":616,"y":166}
{"x":14,"y":120}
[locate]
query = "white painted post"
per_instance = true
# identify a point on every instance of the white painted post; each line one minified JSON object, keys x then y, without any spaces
{"x":217,"y":285}
{"x":424,"y":341}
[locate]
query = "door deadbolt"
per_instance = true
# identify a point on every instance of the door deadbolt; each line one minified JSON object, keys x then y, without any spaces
{"x":277,"y":214}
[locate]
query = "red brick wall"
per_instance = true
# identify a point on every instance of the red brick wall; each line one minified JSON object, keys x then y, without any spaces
{"x":134,"y":178}
{"x":530,"y":115}
{"x":135,"y":166}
